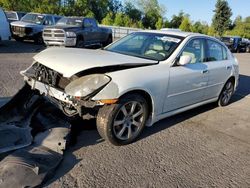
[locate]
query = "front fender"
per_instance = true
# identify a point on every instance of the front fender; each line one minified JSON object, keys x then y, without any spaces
{"x":150,"y":79}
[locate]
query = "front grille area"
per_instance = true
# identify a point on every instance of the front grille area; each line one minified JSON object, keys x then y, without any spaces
{"x":21,"y":30}
{"x":47,"y":76}
{"x":51,"y":33}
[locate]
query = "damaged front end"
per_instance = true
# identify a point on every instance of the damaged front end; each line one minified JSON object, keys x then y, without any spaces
{"x":68,"y":94}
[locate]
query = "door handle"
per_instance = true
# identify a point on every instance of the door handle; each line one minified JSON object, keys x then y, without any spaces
{"x":229,"y":67}
{"x":204,"y":71}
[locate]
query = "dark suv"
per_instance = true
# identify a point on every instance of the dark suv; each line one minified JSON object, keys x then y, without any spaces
{"x":235,"y":43}
{"x":31,"y":26}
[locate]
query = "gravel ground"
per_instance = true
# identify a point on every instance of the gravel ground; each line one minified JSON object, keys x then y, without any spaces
{"x":204,"y":147}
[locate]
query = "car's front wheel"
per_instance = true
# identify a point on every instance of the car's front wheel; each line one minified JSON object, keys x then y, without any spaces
{"x":226,"y":93}
{"x":123,"y":122}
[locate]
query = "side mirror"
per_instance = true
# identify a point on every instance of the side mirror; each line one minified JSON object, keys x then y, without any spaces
{"x":185,"y":59}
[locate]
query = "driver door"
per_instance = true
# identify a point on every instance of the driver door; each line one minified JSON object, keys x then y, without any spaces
{"x":187,"y":83}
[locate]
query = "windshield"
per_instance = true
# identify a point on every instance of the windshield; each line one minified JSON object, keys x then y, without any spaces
{"x":33,"y":18}
{"x":11,"y":15}
{"x":146,"y":45}
{"x":70,"y":21}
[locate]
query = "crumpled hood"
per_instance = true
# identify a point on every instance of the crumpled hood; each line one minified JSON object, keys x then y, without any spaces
{"x":69,"y":61}
{"x":25,"y":24}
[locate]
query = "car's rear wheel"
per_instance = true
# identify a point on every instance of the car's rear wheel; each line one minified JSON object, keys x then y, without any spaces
{"x":226,"y":93}
{"x":123,"y":122}
{"x":39,"y":39}
{"x":108,"y":41}
{"x":248,"y":49}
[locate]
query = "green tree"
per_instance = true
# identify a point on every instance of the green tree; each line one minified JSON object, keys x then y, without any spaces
{"x":211,"y":31}
{"x":176,"y":20}
{"x":119,"y":19}
{"x":185,"y":24}
{"x":159,"y":24}
{"x":130,"y":10}
{"x":221,"y":20}
{"x":109,"y":19}
{"x":241,"y":28}
{"x":151,"y":11}
{"x":199,"y":27}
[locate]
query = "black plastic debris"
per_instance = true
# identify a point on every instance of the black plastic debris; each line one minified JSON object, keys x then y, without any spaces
{"x":15,"y":118}
{"x":28,"y":167}
{"x":38,"y":134}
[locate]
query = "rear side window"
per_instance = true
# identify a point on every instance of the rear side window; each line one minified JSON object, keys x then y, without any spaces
{"x":216,"y":52}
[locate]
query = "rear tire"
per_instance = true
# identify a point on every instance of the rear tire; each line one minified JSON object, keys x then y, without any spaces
{"x":226,"y":93}
{"x":108,"y":41}
{"x":248,"y":49}
{"x":39,"y":39}
{"x":122,"y":123}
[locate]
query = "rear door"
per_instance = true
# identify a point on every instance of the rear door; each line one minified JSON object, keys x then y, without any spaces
{"x":187,"y":83}
{"x":219,"y":68}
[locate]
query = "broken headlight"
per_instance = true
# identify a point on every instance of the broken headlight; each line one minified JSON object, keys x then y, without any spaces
{"x":86,"y":85}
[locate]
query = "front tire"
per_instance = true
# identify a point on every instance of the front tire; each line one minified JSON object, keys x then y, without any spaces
{"x":226,"y":93}
{"x":18,"y":39}
{"x":80,"y":42}
{"x":122,"y":123}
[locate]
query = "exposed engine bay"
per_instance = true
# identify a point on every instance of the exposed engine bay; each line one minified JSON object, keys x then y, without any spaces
{"x":52,"y":85}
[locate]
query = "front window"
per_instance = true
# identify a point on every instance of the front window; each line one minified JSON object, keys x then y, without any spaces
{"x":33,"y":18}
{"x":195,"y":49}
{"x":155,"y":46}
{"x":70,"y":21}
{"x":11,"y":15}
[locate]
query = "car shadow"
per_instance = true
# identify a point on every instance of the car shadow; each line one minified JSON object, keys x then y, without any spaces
{"x":13,"y":46}
{"x":244,"y":86}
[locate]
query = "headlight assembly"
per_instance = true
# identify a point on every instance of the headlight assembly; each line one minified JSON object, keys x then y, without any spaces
{"x":86,"y":85}
{"x":70,"y":34}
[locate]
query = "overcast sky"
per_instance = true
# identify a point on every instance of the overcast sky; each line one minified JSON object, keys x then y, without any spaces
{"x":203,"y":9}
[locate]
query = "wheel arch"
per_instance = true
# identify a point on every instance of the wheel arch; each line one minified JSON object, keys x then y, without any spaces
{"x":80,"y":36}
{"x":145,"y":95}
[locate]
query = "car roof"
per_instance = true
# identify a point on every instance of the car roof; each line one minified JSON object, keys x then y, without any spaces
{"x":42,"y":14}
{"x":174,"y":32}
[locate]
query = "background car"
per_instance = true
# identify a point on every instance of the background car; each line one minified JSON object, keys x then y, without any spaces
{"x":235,"y":43}
{"x":78,"y":32}
{"x":4,"y":26}
{"x":137,"y":80}
{"x":14,"y":15}
{"x":31,"y":26}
